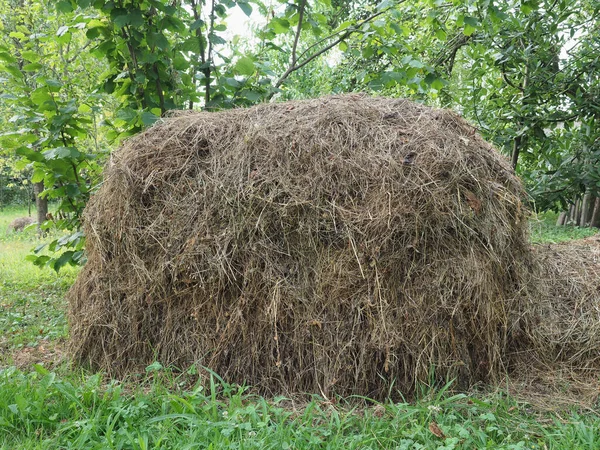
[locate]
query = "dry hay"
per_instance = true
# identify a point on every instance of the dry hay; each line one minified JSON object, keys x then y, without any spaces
{"x":20,"y":223}
{"x":338,"y":245}
{"x":565,"y":319}
{"x":559,"y":365}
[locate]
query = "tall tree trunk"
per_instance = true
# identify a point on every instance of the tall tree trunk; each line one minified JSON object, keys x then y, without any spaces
{"x":562,"y":219}
{"x":29,"y":196}
{"x":588,"y":219}
{"x":585,"y":208}
{"x":516,"y":149}
{"x":578,"y":212}
{"x":571,"y":214}
{"x":41,"y":205}
{"x":595,"y":222}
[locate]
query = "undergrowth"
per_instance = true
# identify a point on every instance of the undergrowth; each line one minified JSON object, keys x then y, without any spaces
{"x":41,"y":410}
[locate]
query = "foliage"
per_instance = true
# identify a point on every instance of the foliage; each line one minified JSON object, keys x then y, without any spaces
{"x":53,"y":112}
{"x":15,"y":188}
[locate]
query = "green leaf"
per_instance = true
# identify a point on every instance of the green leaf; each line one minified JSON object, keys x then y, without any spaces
{"x":120,"y":17}
{"x":30,"y":56}
{"x":41,"y":369}
{"x":215,"y":39}
{"x":280,"y":25}
{"x":471,"y":21}
{"x":38,"y":175}
{"x":62,"y":31}
{"x":471,"y":24}
{"x":53,"y":85}
{"x":157,"y":40}
{"x":196,"y":24}
{"x":469,"y":30}
{"x":64,"y":6}
{"x":180,"y":62}
{"x":253,"y":96}
{"x":39,"y":261}
{"x":8,"y":58}
{"x":384,"y":5}
{"x":127,"y":115}
{"x":32,"y":67}
{"x":30,"y":154}
{"x":438,"y":84}
{"x":60,"y":153}
{"x":63,"y":260}
{"x":246,"y":8}
{"x":416,"y":64}
{"x":344,"y":25}
{"x":245,"y":66}
{"x":136,"y":19}
{"x":230,"y":81}
{"x":40,"y":96}
{"x":148,"y":118}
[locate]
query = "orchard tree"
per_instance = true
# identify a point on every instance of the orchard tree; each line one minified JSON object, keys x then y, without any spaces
{"x":52,"y":113}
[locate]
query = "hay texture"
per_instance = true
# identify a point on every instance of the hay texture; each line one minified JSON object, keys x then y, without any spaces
{"x":564,"y":321}
{"x":20,"y":223}
{"x":342,"y":245}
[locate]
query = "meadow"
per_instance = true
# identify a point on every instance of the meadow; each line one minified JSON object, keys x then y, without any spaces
{"x":47,"y":403}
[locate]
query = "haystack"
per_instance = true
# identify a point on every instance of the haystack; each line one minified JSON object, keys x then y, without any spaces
{"x":564,"y":321}
{"x":20,"y":223}
{"x":344,"y":245}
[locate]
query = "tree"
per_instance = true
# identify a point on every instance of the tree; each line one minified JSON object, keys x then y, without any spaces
{"x":53,"y":107}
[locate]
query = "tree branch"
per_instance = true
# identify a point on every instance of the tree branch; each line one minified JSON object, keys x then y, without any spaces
{"x":301,"y":9}
{"x":205,"y":70}
{"x":159,"y":90}
{"x":295,"y":65}
{"x":209,"y":55}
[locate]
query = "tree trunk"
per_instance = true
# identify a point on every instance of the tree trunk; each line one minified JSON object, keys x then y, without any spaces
{"x":588,"y":219}
{"x":595,"y":222}
{"x":41,"y":205}
{"x":570,"y":215}
{"x":562,"y":219}
{"x":515,"y":152}
{"x":585,"y":209}
{"x":578,"y":212}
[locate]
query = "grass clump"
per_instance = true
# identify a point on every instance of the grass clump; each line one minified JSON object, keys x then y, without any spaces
{"x":543,"y":230}
{"x":43,"y":410}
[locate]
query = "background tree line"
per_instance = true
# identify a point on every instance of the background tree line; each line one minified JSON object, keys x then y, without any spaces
{"x":80,"y":75}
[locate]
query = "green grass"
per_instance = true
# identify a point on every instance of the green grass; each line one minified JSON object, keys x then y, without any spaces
{"x":64,"y":407}
{"x":40,"y":410}
{"x":543,"y":230}
{"x":31,"y":299}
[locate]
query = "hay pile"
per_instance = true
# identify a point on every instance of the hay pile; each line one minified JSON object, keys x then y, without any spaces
{"x":564,"y":321}
{"x":338,"y":245}
{"x":20,"y":223}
